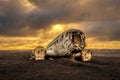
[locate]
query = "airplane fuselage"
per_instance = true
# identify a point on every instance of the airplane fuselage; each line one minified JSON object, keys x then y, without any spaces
{"x":68,"y":43}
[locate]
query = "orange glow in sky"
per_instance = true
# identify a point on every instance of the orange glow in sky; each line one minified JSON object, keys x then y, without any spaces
{"x":26,"y":24}
{"x":57,"y":27}
{"x":45,"y":36}
{"x":29,"y":5}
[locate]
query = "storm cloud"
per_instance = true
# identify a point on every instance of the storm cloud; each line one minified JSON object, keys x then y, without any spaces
{"x":16,"y":20}
{"x":103,"y":31}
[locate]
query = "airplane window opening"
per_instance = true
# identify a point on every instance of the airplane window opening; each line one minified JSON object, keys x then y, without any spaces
{"x":57,"y":41}
{"x":62,"y":36}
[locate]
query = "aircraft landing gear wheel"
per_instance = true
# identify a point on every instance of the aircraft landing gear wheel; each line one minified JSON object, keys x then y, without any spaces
{"x":86,"y":55}
{"x":39,"y":53}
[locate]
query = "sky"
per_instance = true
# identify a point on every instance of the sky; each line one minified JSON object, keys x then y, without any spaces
{"x":26,"y":24}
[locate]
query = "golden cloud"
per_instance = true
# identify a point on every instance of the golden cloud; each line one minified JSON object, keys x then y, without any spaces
{"x":47,"y":35}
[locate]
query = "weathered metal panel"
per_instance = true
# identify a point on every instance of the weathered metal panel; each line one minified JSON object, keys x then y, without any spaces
{"x":69,"y":43}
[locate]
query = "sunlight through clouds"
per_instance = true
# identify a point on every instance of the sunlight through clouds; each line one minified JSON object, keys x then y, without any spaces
{"x":25,"y":24}
{"x":29,"y":5}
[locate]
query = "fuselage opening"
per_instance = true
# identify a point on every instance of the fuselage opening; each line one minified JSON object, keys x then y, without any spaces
{"x":77,"y":40}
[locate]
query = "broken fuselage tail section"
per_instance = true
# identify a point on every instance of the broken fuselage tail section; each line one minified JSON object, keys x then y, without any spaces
{"x":69,"y":43}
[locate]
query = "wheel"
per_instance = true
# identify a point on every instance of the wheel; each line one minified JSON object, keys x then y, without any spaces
{"x":86,"y":55}
{"x":39,"y":53}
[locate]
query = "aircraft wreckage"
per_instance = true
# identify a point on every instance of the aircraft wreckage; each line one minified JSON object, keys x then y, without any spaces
{"x":70,"y":43}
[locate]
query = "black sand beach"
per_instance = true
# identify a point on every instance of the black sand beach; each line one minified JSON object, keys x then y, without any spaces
{"x":15,"y":65}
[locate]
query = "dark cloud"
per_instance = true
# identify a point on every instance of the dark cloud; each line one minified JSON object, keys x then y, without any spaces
{"x":14,"y":21}
{"x":80,"y":10}
{"x":104,"y":31}
{"x":11,"y":17}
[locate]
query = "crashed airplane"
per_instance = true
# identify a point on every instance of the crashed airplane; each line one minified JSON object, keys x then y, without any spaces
{"x":70,"y":43}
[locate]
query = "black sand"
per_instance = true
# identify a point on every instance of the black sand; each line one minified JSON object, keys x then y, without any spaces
{"x":15,"y":65}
